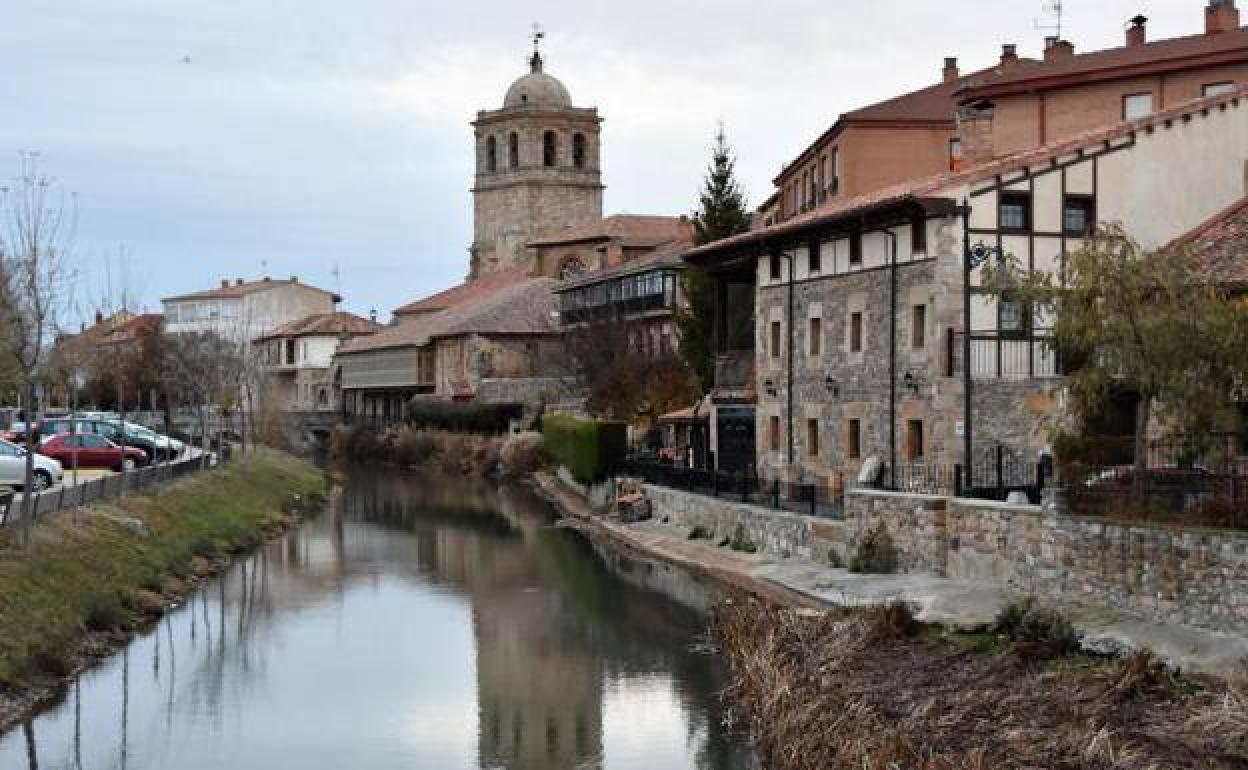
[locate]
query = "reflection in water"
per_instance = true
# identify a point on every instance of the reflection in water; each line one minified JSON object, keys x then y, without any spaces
{"x":421,"y":624}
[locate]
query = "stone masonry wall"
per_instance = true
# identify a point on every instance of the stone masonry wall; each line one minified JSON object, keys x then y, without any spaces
{"x":1170,"y":574}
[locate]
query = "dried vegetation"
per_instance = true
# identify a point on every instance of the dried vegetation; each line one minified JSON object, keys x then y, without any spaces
{"x":871,"y":690}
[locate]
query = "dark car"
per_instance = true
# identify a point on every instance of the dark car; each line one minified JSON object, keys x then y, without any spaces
{"x":88,"y":450}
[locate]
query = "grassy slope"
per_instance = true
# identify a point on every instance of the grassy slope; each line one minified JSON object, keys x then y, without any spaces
{"x":84,"y":571}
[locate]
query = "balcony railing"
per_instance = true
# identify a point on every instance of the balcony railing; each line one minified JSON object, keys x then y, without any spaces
{"x":997,"y":356}
{"x":632,"y":306}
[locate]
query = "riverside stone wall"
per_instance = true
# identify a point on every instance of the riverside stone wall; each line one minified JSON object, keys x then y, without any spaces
{"x":1172,"y":574}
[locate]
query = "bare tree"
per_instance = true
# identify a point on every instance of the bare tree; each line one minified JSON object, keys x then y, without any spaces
{"x":201,"y":368}
{"x":37,"y":227}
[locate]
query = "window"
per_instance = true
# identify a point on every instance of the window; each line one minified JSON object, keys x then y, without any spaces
{"x":775,"y":339}
{"x":914,"y":439}
{"x":1078,"y":215}
{"x":814,"y":258}
{"x":816,"y":336}
{"x":812,"y":437}
{"x":918,"y":327}
{"x":773,"y":433}
{"x":955,"y":154}
{"x":1217,"y":89}
{"x":822,"y":181}
{"x":578,"y":150}
{"x":918,"y":235}
{"x":855,"y":249}
{"x":491,"y":154}
{"x":1136,"y":106}
{"x":855,"y":333}
{"x":1014,"y":211}
{"x":773,"y":265}
{"x":550,"y":149}
{"x":855,"y":440}
{"x":1013,"y":318}
{"x":513,"y":150}
{"x":835,"y":165}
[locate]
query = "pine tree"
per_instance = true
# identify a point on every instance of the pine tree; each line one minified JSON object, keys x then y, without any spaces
{"x":723,"y":213}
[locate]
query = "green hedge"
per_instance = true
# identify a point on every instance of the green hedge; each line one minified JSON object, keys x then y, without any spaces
{"x":590,"y":449}
{"x":489,"y":419}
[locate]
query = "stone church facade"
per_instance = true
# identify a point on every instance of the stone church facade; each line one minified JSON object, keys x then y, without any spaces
{"x":538,"y":170}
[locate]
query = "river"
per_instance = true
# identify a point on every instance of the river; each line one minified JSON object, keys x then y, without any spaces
{"x":422,"y":622}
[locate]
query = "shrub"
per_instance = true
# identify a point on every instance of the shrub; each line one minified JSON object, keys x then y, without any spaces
{"x":412,"y":447}
{"x":876,"y":554}
{"x":1038,"y":633}
{"x":104,"y":612}
{"x":589,"y":449}
{"x":521,"y":454}
{"x":487,"y":419}
{"x":741,"y":540}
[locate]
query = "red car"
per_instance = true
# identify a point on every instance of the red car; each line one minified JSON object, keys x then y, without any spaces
{"x":93,"y":451}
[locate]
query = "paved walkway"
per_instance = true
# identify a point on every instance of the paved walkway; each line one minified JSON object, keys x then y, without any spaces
{"x":959,"y":604}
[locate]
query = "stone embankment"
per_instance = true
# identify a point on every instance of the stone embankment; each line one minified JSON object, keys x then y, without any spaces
{"x":96,"y":575}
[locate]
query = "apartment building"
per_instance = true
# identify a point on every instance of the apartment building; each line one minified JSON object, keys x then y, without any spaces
{"x":296,"y":359}
{"x":244,"y":310}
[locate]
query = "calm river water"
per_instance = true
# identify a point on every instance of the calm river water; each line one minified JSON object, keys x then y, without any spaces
{"x":422,"y":623}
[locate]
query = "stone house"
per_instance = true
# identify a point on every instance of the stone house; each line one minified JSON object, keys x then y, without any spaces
{"x":497,"y":346}
{"x":296,"y":359}
{"x":242,"y":311}
{"x":573,"y":252}
{"x":857,"y":313}
{"x":1022,"y":104}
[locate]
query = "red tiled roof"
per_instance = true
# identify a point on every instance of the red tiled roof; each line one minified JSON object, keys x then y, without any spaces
{"x":1113,"y":63}
{"x":326,"y":324}
{"x":464,"y":292}
{"x":235,"y":290}
{"x":1219,"y":246}
{"x":133,"y":327}
{"x":523,"y":308}
{"x":921,"y":188}
{"x":667,"y":255}
{"x":639,"y":231}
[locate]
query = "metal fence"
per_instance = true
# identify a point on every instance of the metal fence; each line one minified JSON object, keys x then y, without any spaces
{"x":102,"y":489}
{"x":810,"y":499}
{"x":995,"y":473}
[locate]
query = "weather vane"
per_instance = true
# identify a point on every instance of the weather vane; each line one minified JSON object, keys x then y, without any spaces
{"x":538,"y":34}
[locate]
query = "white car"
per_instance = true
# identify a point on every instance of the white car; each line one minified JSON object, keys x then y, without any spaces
{"x":48,"y":472}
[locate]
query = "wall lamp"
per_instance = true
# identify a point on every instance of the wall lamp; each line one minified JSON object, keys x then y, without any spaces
{"x":833,"y":386}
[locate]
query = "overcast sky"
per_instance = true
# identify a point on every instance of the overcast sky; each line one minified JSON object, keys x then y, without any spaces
{"x":215,"y":138}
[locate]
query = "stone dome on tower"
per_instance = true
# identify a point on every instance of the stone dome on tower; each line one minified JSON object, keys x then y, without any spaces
{"x":537,"y":89}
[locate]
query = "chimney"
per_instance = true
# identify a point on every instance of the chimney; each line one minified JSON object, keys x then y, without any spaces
{"x":294,"y":279}
{"x":1137,"y":33}
{"x":372,"y":315}
{"x":99,"y":317}
{"x":1009,"y":55}
{"x":950,"y":72}
{"x":1059,"y":50}
{"x":238,"y":281}
{"x":225,"y":283}
{"x":1221,"y":16}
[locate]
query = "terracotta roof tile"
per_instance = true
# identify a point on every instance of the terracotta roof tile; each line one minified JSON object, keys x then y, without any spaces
{"x":1112,"y":63}
{"x":464,"y":292}
{"x":920,"y":188}
{"x":243,"y":289}
{"x":1219,"y":246}
{"x":639,"y":231}
{"x":326,"y":324}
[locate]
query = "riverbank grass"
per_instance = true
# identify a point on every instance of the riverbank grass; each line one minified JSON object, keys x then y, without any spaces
{"x":104,"y":569}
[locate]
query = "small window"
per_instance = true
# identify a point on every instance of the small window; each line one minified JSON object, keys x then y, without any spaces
{"x":1078,"y":215}
{"x":773,"y":266}
{"x":1013,"y":318}
{"x":513,"y":150}
{"x":855,"y":440}
{"x":812,"y":437}
{"x":1217,"y":89}
{"x":918,"y":327}
{"x":816,"y":336}
{"x":1014,"y":212}
{"x":855,"y":249}
{"x":775,"y":339}
{"x":918,"y":235}
{"x":773,"y":433}
{"x":835,"y":165}
{"x":855,"y":333}
{"x":914,"y":439}
{"x":550,"y":149}
{"x":955,"y":154}
{"x":1136,"y":106}
{"x":491,"y":154}
{"x":578,"y":150}
{"x":814,"y":258}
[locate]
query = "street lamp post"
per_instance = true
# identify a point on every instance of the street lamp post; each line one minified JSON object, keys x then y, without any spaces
{"x":973,"y":257}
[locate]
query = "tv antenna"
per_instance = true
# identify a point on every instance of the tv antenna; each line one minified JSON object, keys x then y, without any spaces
{"x":1053,"y":10}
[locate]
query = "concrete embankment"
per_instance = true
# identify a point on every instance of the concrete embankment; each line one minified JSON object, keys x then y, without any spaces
{"x":94,"y":576}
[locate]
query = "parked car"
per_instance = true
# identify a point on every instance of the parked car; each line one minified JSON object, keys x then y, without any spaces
{"x":135,"y":435}
{"x":48,"y":472}
{"x":92,"y":451}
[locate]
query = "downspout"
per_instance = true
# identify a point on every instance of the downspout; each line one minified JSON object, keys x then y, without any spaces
{"x":892,"y":351}
{"x":792,"y":321}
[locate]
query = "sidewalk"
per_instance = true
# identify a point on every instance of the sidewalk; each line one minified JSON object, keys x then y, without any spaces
{"x":957,"y":604}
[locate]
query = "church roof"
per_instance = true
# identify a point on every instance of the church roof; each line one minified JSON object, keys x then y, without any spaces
{"x":634,"y":231}
{"x":537,"y":89}
{"x":464,"y":292}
